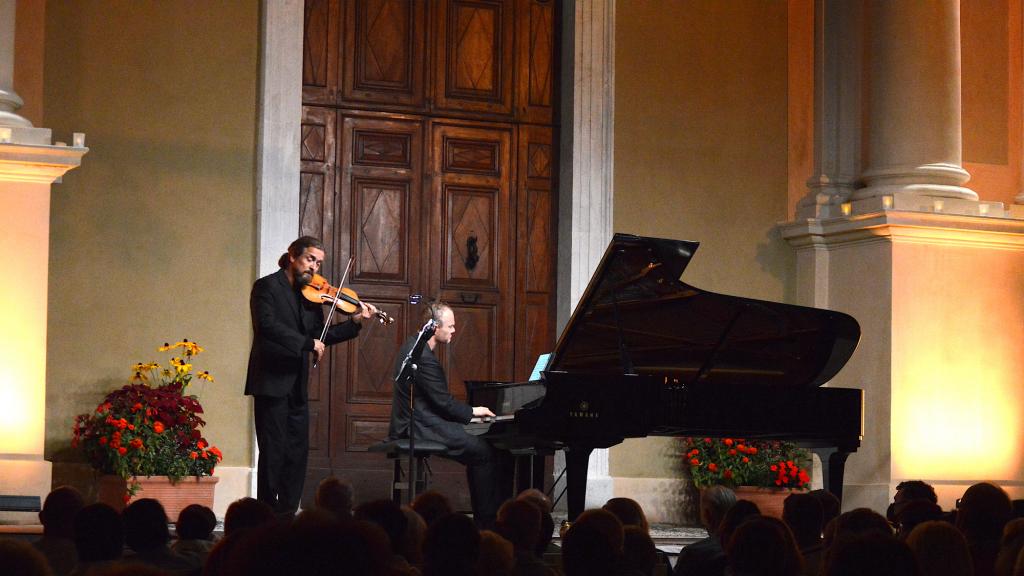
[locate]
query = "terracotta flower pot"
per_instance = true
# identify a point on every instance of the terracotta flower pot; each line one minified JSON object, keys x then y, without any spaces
{"x":768,"y":500}
{"x":173,"y":497}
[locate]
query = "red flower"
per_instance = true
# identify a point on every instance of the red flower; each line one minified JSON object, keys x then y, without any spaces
{"x":136,"y":443}
{"x":137,"y":407}
{"x":158,"y":427}
{"x":713,"y":467}
{"x":206,"y":455}
{"x":727,"y":474}
{"x":728,"y":441}
{"x":746,"y":460}
{"x":732,"y":452}
{"x":103,"y":440}
{"x":201,"y":444}
{"x":773,"y":467}
{"x":122,"y":450}
{"x":707,"y":440}
{"x":193,"y":455}
{"x":695,"y":462}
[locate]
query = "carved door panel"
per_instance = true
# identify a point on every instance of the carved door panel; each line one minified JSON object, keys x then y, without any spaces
{"x":473,"y":48}
{"x":320,"y":52}
{"x":317,"y":212}
{"x":536,"y":233}
{"x":535,"y":60}
{"x":385,"y":43}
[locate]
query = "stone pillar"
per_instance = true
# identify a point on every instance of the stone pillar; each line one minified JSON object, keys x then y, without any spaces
{"x":585,"y":183}
{"x":838,"y":46}
{"x":9,"y":100}
{"x":914,"y":139}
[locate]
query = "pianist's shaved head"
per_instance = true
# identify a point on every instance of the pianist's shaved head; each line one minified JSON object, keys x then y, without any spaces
{"x":434,"y":310}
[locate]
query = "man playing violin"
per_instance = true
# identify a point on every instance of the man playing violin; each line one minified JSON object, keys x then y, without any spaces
{"x":286,"y":332}
{"x":440,"y":417}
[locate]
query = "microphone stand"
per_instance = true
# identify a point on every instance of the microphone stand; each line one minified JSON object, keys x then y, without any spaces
{"x":408,"y":373}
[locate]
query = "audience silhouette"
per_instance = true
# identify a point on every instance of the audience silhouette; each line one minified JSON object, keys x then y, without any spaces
{"x":980,"y":537}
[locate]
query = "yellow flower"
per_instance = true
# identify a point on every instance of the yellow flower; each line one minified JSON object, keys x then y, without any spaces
{"x":138,"y":376}
{"x":204,"y":375}
{"x":166,"y":373}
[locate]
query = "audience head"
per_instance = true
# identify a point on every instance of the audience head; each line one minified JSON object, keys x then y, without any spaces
{"x":335,"y":496}
{"x":21,"y":558}
{"x":195,"y":522}
{"x":763,"y":545}
{"x":873,"y":553}
{"x":99,"y":533}
{"x":911,"y":514}
{"x":802,"y":513}
{"x":519,"y":521}
{"x":497,"y":556}
{"x":1018,"y":508}
{"x":940,"y":549}
{"x":714,"y":503}
{"x":537,"y":497}
{"x":638,"y":551}
{"x":432,"y":505}
{"x":740,"y":512}
{"x":316,"y":542}
{"x":857,"y":522}
{"x":58,"y":513}
{"x":388,"y":515}
{"x":1011,"y":547}
{"x":830,"y":505}
{"x":982,"y":513}
{"x":415,"y":531}
{"x":628,"y":511}
{"x":451,"y":546}
{"x":593,"y":544}
{"x":145,"y":525}
{"x":247,"y":513}
{"x":547,"y":534}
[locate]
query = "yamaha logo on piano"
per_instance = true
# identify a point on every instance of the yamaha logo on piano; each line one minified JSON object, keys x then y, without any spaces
{"x":583,"y":411}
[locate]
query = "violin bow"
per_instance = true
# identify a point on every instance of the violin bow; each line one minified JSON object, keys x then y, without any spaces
{"x":334,"y":304}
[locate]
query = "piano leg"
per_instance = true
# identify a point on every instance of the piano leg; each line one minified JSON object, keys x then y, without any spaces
{"x":576,"y":461}
{"x":833,"y":466}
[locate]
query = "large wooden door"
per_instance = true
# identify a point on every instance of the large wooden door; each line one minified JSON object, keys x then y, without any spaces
{"x":428,"y":131}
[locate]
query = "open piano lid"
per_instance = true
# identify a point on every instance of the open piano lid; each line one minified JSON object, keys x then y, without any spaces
{"x":637,"y":317}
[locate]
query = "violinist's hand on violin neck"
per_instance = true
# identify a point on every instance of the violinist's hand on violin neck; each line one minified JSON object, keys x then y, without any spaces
{"x":368,"y":310}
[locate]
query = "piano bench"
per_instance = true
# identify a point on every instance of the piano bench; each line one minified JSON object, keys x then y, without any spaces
{"x":398,"y":452}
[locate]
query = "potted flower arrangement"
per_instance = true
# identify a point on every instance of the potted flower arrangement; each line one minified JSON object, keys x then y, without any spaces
{"x":150,"y":428}
{"x":764,"y":471}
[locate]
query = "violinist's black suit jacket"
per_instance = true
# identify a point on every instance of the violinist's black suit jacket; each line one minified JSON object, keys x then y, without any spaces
{"x":284,"y":325}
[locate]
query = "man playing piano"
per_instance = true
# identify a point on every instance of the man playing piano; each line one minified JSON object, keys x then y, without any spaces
{"x":440,"y":417}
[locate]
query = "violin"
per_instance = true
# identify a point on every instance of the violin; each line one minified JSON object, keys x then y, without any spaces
{"x":346,"y":299}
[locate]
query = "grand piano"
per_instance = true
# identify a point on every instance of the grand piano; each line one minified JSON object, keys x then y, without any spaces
{"x":646,"y":354}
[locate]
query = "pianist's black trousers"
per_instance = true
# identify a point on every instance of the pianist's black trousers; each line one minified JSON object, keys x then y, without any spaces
{"x":488,"y":472}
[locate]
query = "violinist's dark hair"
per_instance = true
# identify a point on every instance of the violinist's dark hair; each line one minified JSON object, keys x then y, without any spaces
{"x":296,"y":248}
{"x":434,"y":309}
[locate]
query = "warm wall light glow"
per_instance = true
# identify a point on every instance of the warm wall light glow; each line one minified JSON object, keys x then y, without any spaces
{"x":24,"y":245}
{"x":956,"y":420}
{"x":958,"y":332}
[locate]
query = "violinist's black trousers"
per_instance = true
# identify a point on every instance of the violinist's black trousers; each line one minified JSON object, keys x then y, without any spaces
{"x":282,"y":435}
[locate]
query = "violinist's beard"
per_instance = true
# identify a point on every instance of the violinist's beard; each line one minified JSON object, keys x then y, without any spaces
{"x":303,"y":279}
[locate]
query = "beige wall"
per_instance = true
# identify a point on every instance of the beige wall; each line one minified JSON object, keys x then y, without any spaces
{"x":153,"y":237}
{"x":701,"y":152}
